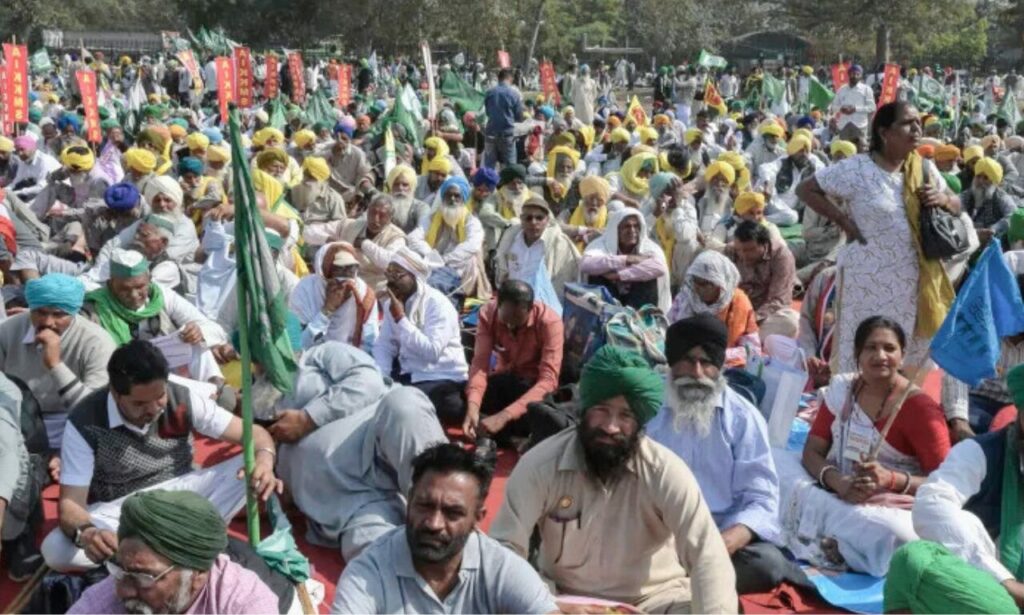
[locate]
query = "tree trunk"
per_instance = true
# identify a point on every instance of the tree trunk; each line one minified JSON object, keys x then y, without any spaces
{"x":882,"y":44}
{"x":536,"y":31}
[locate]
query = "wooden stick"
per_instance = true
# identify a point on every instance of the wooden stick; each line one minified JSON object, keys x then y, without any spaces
{"x":919,"y":375}
{"x":304,"y":599}
{"x":21,"y":600}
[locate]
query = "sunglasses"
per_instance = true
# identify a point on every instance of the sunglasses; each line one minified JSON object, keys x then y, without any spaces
{"x":141,"y":580}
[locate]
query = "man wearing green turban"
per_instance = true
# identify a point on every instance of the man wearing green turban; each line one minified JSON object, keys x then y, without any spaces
{"x":970,"y":514}
{"x":170,"y":559}
{"x":620,"y":516}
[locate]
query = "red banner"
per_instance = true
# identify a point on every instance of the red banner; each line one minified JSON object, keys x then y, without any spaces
{"x":16,"y":76}
{"x":547,"y":82}
{"x":5,"y":127}
{"x":243,"y":77}
{"x":189,"y":62}
{"x":225,"y":85}
{"x":890,"y":84}
{"x":87,"y":87}
{"x":504,"y":61}
{"x":298,"y":80}
{"x":270,"y":83}
{"x":840,"y":75}
{"x":344,"y":85}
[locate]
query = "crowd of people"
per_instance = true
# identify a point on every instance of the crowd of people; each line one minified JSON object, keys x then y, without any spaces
{"x":427,"y":269}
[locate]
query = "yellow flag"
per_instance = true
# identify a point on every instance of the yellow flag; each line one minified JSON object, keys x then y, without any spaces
{"x":637,"y":112}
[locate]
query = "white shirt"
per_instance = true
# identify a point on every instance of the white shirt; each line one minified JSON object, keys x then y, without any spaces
{"x":77,"y":458}
{"x":38,"y":168}
{"x":861,"y":98}
{"x":430,"y":350}
{"x":729,"y":86}
{"x":523,"y":260}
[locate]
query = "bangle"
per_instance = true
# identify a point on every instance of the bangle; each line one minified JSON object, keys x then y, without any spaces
{"x":266,"y":449}
{"x":906,"y":488}
{"x":821,"y":475}
{"x":892,"y":482}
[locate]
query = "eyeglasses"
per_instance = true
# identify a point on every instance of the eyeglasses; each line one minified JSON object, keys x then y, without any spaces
{"x":141,"y":580}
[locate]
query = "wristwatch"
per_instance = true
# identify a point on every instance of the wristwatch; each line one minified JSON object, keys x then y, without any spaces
{"x":78,"y":533}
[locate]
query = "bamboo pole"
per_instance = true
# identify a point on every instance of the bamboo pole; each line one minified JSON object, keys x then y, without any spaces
{"x":19,"y":602}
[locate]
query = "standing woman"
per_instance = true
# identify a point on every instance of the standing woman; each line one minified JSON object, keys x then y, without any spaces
{"x":882,"y":270}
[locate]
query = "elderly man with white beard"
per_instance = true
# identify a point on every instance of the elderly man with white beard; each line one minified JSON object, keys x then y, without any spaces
{"x":716,"y":204}
{"x":986,"y":202}
{"x":724,"y":441}
{"x":407,"y":210}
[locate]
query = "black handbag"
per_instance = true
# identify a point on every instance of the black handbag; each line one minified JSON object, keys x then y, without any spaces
{"x":942,"y":234}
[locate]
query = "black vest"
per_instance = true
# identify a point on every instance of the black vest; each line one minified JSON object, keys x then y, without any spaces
{"x":125,"y":460}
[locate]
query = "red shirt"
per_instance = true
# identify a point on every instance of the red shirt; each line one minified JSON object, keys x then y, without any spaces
{"x":919,"y":430}
{"x":533,"y":352}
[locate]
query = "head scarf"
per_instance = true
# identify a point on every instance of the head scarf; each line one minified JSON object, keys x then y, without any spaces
{"x":218,"y":153}
{"x":798,"y":144}
{"x":69,"y":119}
{"x":438,"y":164}
{"x":692,"y":135}
{"x":177,"y":131}
{"x":747,"y":202}
{"x":140,"y":160}
{"x":991,"y":169}
{"x":926,"y":151}
{"x":631,"y":169}
{"x":847,"y":148}
{"x":716,"y":268}
{"x":182,"y":526}
{"x":722,"y":168}
{"x":164,"y":185}
{"x":346,"y":125}
{"x":55,"y":290}
{"x":440,"y":147}
{"x":214,"y":135}
{"x":121,"y":197}
{"x":973,"y":153}
{"x":510,"y":173}
{"x":459,"y":182}
{"x":595,"y":184}
{"x":646,"y":134}
{"x":561,"y":150}
{"x":619,"y":135}
{"x":704,"y":330}
{"x":486,"y":176}
{"x":190,"y":164}
{"x":197,"y":141}
{"x":83,"y":161}
{"x":659,"y":183}
{"x":26,"y":142}
{"x":770,"y":128}
{"x":317,"y":167}
{"x":304,"y":137}
{"x":404,"y":171}
{"x":991,"y":141}
{"x":263,"y":135}
{"x":614,"y":371}
{"x":271,"y":155}
{"x":109,"y":123}
{"x":412,"y":262}
{"x":6,"y":145}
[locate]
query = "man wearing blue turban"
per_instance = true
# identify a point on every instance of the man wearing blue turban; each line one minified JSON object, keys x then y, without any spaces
{"x":60,"y":355}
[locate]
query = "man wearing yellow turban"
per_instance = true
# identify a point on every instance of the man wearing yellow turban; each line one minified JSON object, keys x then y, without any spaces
{"x":780,"y":178}
{"x":351,"y":173}
{"x":587,"y":221}
{"x":139,"y":165}
{"x":407,"y":210}
{"x":840,"y":150}
{"x":766,"y":147}
{"x":608,"y":159}
{"x":321,"y":207}
{"x":635,"y":174}
{"x":717,"y":200}
{"x":986,"y":202}
{"x":994,"y":149}
{"x":561,"y":171}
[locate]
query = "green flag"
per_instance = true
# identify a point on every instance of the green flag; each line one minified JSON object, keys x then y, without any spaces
{"x":711,"y":61}
{"x":819,"y":94}
{"x":276,"y":113}
{"x":40,"y":62}
{"x":319,"y":109}
{"x":774,"y":90}
{"x":461,"y":94}
{"x":1009,"y":110}
{"x":932,"y":92}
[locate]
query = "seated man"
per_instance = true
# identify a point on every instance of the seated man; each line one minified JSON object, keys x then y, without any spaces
{"x":626,"y":262}
{"x":780,"y":178}
{"x":968,"y":516}
{"x":134,"y":435}
{"x":170,"y":559}
{"x":588,"y":220}
{"x":500,"y":210}
{"x":59,"y":354}
{"x":32,"y":168}
{"x":375,"y":238}
{"x":767,"y":275}
{"x":672,"y":218}
{"x":133,"y":307}
{"x":350,"y":472}
{"x":620,"y":517}
{"x":537,"y":241}
{"x":435,"y":173}
{"x":420,"y":343}
{"x":351,"y":174}
{"x":716,"y":204}
{"x":409,"y":210}
{"x":452,"y":234}
{"x":20,"y":490}
{"x":322,"y":208}
{"x":440,"y":561}
{"x":988,"y":205}
{"x":333,"y":303}
{"x":720,"y":434}
{"x":527,"y":337}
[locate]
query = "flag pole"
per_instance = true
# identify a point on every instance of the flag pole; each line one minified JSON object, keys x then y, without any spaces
{"x":248,"y":448}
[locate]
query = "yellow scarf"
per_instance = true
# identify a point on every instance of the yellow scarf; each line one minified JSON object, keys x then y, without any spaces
{"x":578,"y":218}
{"x":437,"y":221}
{"x":507,"y":205}
{"x":630,"y":172}
{"x":934,"y":292}
{"x":666,"y":238}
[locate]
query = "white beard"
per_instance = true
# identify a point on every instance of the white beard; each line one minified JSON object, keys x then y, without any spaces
{"x":451,"y":215}
{"x":590,"y":218}
{"x":694,"y":405}
{"x":982,"y":194}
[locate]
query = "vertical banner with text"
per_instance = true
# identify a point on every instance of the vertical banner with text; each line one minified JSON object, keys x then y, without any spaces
{"x":890,"y":84}
{"x":344,"y":85}
{"x":6,"y":126}
{"x":295,"y":71}
{"x":547,"y":82}
{"x":272,"y":83}
{"x":840,"y":75}
{"x":225,"y":85}
{"x":87,"y":87}
{"x":16,"y":88}
{"x":428,"y":64}
{"x":243,"y":77}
